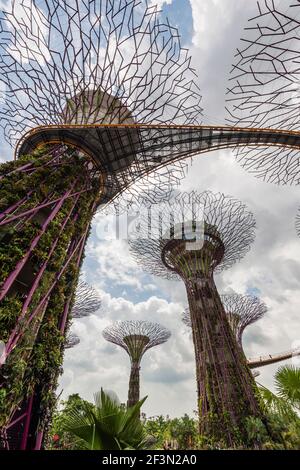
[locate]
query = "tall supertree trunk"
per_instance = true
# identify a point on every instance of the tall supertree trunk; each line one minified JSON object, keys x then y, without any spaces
{"x":226,"y":388}
{"x":47,"y":201}
{"x":134,"y":385}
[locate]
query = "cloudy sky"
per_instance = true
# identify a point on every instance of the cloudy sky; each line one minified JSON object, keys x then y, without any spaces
{"x":211,"y":30}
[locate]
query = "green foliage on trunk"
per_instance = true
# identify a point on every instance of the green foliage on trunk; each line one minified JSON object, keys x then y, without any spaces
{"x":35,"y":363}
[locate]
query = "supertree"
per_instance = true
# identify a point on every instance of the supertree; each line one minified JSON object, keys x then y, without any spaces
{"x":264,"y":91}
{"x":136,"y":337}
{"x":241,"y":311}
{"x":65,"y":66}
{"x":87,"y":301}
{"x":71,"y":341}
{"x":191,"y":238}
{"x":97,"y":98}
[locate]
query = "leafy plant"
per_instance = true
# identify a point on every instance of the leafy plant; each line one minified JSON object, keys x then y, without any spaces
{"x":107,"y":425}
{"x":184,"y":430}
{"x":287,"y":400}
{"x":287,"y":384}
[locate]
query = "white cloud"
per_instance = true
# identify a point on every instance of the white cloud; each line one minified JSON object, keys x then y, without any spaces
{"x":212,"y":17}
{"x":160,"y":3}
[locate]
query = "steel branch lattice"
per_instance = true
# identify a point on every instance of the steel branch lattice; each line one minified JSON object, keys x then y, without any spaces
{"x":241,"y":311}
{"x":263,"y":90}
{"x":234,"y":223}
{"x":87,"y":301}
{"x":136,"y":337}
{"x":99,"y":61}
{"x":71,"y":341}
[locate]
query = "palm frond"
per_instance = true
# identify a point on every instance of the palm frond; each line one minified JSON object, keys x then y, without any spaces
{"x":106,"y":425}
{"x":287,"y":383}
{"x":276,"y":404}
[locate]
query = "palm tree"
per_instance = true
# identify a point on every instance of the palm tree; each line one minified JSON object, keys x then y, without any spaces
{"x":107,"y":425}
{"x":287,"y":400}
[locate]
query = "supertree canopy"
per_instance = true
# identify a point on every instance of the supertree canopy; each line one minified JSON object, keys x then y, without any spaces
{"x":136,"y":337}
{"x":67,"y":65}
{"x":97,"y":98}
{"x":71,"y":341}
{"x":297,"y":223}
{"x":191,"y":238}
{"x":264,"y":92}
{"x":231,"y":225}
{"x":241,"y":311}
{"x":87,"y":301}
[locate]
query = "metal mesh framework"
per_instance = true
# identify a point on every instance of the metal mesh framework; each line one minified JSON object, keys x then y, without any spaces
{"x":264,"y":90}
{"x":226,"y":388}
{"x":233,"y":222}
{"x":87,"y":301}
{"x":54,"y":51}
{"x":71,"y":341}
{"x":136,"y":337}
{"x":95,"y":62}
{"x":131,"y":157}
{"x":241,"y":311}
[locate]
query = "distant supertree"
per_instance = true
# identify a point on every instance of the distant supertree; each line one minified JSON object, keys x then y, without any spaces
{"x":239,"y":320}
{"x":264,"y":91}
{"x":191,"y":238}
{"x":87,"y":301}
{"x":241,"y":311}
{"x":136,"y":337}
{"x":71,"y":341}
{"x":186,"y":317}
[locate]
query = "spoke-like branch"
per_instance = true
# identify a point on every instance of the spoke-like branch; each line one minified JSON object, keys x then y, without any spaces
{"x":263,"y":91}
{"x":241,"y":311}
{"x":234,"y":225}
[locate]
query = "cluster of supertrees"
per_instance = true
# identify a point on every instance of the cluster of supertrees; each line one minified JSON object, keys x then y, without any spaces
{"x":100,"y":102}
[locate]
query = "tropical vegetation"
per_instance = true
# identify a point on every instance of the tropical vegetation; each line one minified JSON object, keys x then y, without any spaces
{"x":109,"y":425}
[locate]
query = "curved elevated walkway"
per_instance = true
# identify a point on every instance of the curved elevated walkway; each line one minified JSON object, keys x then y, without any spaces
{"x":272,"y":359}
{"x":115,"y":147}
